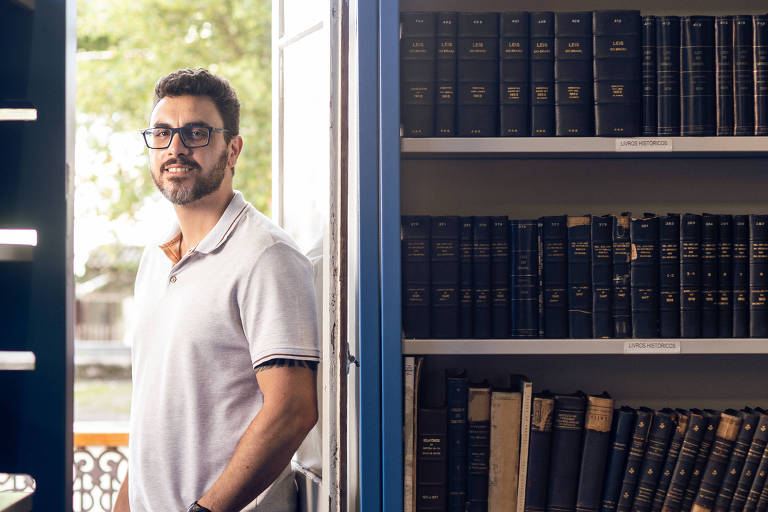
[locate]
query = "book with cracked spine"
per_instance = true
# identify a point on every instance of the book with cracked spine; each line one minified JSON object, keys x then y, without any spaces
{"x":621,"y":306}
{"x":749,"y":420}
{"x":579,"y":276}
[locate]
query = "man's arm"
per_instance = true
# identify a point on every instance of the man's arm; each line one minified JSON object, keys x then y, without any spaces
{"x":288,"y":413}
{"x":121,"y":502}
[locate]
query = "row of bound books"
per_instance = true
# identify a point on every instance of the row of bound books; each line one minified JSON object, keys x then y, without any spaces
{"x":604,"y":73}
{"x":609,"y":276}
{"x":478,"y":447}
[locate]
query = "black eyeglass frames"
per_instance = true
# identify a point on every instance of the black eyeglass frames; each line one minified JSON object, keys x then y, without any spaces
{"x":191,"y":136}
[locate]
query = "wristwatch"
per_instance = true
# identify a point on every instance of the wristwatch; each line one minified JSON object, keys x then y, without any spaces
{"x":196,"y":507}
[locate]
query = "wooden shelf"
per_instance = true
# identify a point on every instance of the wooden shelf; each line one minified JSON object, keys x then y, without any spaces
{"x":586,"y":347}
{"x":11,"y":360}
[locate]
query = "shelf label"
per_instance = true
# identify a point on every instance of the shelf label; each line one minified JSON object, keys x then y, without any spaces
{"x":648,"y":144}
{"x":652,"y":347}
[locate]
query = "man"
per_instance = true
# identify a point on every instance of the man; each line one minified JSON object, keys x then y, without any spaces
{"x":225,"y":343}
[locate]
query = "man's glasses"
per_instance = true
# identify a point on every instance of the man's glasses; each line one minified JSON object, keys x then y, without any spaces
{"x":191,"y":136}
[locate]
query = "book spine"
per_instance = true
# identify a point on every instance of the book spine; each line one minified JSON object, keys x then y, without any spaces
{"x":681,"y":475}
{"x":409,"y":389}
{"x":514,"y":74}
{"x":504,"y":458}
{"x":743,"y":77}
{"x":417,"y":64}
{"x":751,"y":463}
{"x":690,"y":276}
{"x":542,"y":57}
{"x":457,"y":442}
{"x":668,"y":75}
{"x":758,"y":276}
{"x":713,"y":419}
{"x":727,"y":431}
{"x":478,"y":75}
{"x":621,"y":307}
{"x":555,"y":274}
{"x":466,"y":237}
{"x":526,"y":389}
{"x":445,"y":77}
{"x":741,"y":446}
{"x":542,"y":411}
{"x":602,"y":277}
{"x":431,"y":459}
{"x":481,"y":277}
{"x":597,"y":431}
{"x":724,"y":276}
{"x":500,"y":277}
{"x":540,"y":246}
{"x":655,"y":452}
{"x":478,"y":446}
{"x":618,"y":449}
{"x":724,"y":75}
{"x":642,"y":427}
{"x":667,"y":470}
{"x":669,"y":274}
{"x":573,"y":74}
{"x":650,"y":105}
{"x":758,"y":483}
{"x":525,"y":286}
{"x":416,"y":279}
{"x":645,"y":277}
{"x":567,"y":430}
{"x":697,"y":75}
{"x":444,"y":274}
{"x":740,"y":276}
{"x":709,"y":284}
{"x":579,"y":277}
{"x":760,"y":66}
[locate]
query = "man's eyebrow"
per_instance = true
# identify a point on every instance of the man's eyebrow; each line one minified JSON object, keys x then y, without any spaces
{"x":193,"y":123}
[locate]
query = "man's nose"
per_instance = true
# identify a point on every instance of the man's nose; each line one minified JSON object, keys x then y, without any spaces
{"x":177,"y":146}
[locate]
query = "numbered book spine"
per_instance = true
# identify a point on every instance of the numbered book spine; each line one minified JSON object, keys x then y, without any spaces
{"x":555,"y":276}
{"x":417,"y":70}
{"x":597,"y":432}
{"x":466,"y":237}
{"x":758,"y":484}
{"x":542,"y":54}
{"x":713,"y":420}
{"x":724,"y":75}
{"x":690,"y":276}
{"x":697,"y":75}
{"x":617,"y":70}
{"x":725,"y":437}
{"x":648,"y":71}
{"x":567,"y":431}
{"x":478,"y":75}
{"x":525,"y":284}
{"x":409,"y":433}
{"x":514,"y":61}
{"x":478,"y":446}
{"x":743,"y":77}
{"x":758,"y":276}
{"x":669,"y":272}
{"x":618,"y":450}
{"x":457,"y":441}
{"x":444,"y":274}
{"x":573,"y":74}
{"x":481,"y":277}
{"x":416,"y":280}
{"x":749,"y":420}
{"x":579,"y":277}
{"x":542,"y":411}
{"x":709,"y":284}
{"x":668,"y":75}
{"x":642,"y":427}
{"x":446,"y":88}
{"x":751,"y":463}
{"x":504,"y":461}
{"x":740,"y":276}
{"x":602,"y":276}
{"x":655,"y":452}
{"x":724,"y":276}
{"x":697,"y":427}
{"x":500,"y":277}
{"x":621,"y":305}
{"x":431,"y":466}
{"x":760,"y":66}
{"x":667,"y":470}
{"x":645,"y":277}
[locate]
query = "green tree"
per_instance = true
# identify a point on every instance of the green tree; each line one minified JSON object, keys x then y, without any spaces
{"x":125,"y":47}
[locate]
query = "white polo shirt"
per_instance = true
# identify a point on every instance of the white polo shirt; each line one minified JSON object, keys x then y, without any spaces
{"x":243,"y":296}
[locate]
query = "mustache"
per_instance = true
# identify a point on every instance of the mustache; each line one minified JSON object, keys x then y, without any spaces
{"x":179,"y":160}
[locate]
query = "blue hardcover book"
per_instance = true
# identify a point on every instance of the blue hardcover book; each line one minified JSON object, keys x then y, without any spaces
{"x":622,"y":307}
{"x":668,"y":75}
{"x":499,"y":277}
{"x":655,"y":452}
{"x":758,"y":276}
{"x":466,"y":299}
{"x":716,"y":468}
{"x":432,"y":442}
{"x":481,"y":277}
{"x":724,"y":276}
{"x":648,"y":76}
{"x":524,"y":284}
{"x":740,"y":276}
{"x":749,"y":424}
{"x":565,"y":456}
{"x":597,"y":432}
{"x":514,"y":74}
{"x":539,"y":451}
{"x":478,"y":75}
{"x":456,"y":397}
{"x":697,"y":427}
{"x":713,"y":420}
{"x":602,"y":276}
{"x":669,"y":273}
{"x":640,"y":429}
{"x":542,"y":53}
{"x":573,"y":74}
{"x":644,"y":277}
{"x":554,"y":241}
{"x":690,"y":276}
{"x":760,"y":66}
{"x":667,"y":470}
{"x":618,"y":450}
{"x":724,"y":45}
{"x":478,"y":446}
{"x":445,"y":75}
{"x":709,"y":235}
{"x":579,"y":276}
{"x":743,"y":77}
{"x":751,"y":463}
{"x":416,"y":282}
{"x":697,"y":75}
{"x":444,"y":275}
{"x":417,"y":72}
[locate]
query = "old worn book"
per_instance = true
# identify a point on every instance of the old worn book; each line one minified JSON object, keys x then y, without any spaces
{"x":743,"y":77}
{"x":751,"y":463}
{"x":669,"y":276}
{"x":645,"y":276}
{"x":542,"y":412}
{"x":697,"y":75}
{"x":740,"y":276}
{"x":478,"y":446}
{"x":579,"y":276}
{"x":618,"y":449}
{"x":749,"y":419}
{"x":690,"y":276}
{"x":668,"y":75}
{"x":500,"y":277}
{"x":725,"y":276}
{"x":648,"y":70}
{"x":602,"y":276}
{"x":758,"y":483}
{"x":697,"y":426}
{"x":724,"y":44}
{"x":567,"y":431}
{"x":416,"y":282}
{"x":655,"y":452}
{"x":431,"y":442}
{"x":456,"y":397}
{"x":597,"y":431}
{"x":758,"y":276}
{"x":554,"y":240}
{"x":409,"y":432}
{"x":709,"y":284}
{"x":504,"y":461}
{"x":725,"y":437}
{"x":673,"y":452}
{"x":713,"y":420}
{"x":640,"y":431}
{"x":444,"y":276}
{"x":621,"y":304}
{"x":525,"y":387}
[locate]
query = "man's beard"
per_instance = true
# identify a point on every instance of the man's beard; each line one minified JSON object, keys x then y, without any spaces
{"x":197,"y":187}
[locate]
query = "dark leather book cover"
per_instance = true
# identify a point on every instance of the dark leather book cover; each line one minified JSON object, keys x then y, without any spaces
{"x":758,"y":276}
{"x":597,"y":433}
{"x":456,"y":396}
{"x":740,"y":276}
{"x":579,"y":276}
{"x":655,"y":452}
{"x":602,"y":276}
{"x":466,"y":242}
{"x":621,"y":306}
{"x":555,"y":276}
{"x":648,"y":76}
{"x":760,"y":66}
{"x":697,"y":427}
{"x":640,"y":430}
{"x":758,"y":485}
{"x":542,"y":48}
{"x":500,"y":277}
{"x":709,"y":285}
{"x":444,"y":274}
{"x":515,"y":83}
{"x":713,"y":420}
{"x":573,"y":74}
{"x":749,"y":421}
{"x":751,"y":463}
{"x":432,"y":443}
{"x":724,"y":276}
{"x":417,"y":71}
{"x":618,"y":449}
{"x":478,"y":446}
{"x":618,"y":86}
{"x":669,"y":276}
{"x":524,"y":285}
{"x":565,"y":458}
{"x":715,"y":470}
{"x":478,"y":75}
{"x":743,"y":77}
{"x":668,"y":75}
{"x":539,"y":449}
{"x":645,"y":276}
{"x":724,"y":75}
{"x":481,"y":277}
{"x":416,"y":282}
{"x":668,"y":468}
{"x":697,"y":75}
{"x":445,"y":78}
{"x":540,"y":226}
{"x":690,"y":276}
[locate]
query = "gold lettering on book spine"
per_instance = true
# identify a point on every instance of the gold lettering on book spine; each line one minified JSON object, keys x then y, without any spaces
{"x":541,"y":416}
{"x":599,"y":414}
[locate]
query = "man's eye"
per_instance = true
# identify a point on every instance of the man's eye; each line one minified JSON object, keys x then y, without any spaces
{"x":162,"y":133}
{"x":197,"y":133}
